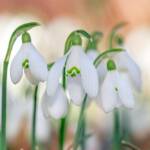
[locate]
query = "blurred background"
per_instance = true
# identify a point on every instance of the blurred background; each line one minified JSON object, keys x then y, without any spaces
{"x":58,"y":18}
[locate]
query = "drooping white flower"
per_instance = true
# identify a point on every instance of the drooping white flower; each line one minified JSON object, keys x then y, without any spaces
{"x":29,"y":60}
{"x":115,"y":90}
{"x":125,"y":64}
{"x":56,"y":105}
{"x":82,"y":76}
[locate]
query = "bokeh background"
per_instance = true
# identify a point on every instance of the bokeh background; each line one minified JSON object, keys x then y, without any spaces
{"x":58,"y":18}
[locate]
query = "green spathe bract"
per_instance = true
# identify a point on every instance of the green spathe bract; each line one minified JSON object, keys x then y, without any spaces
{"x":20,"y":30}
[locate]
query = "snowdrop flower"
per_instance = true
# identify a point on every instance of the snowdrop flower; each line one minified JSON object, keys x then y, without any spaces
{"x":115,"y":90}
{"x":56,"y":105}
{"x":29,"y":60}
{"x":81,"y":74}
{"x":125,"y":64}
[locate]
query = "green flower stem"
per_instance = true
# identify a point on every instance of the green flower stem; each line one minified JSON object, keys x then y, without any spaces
{"x":73,"y":39}
{"x":34,"y":118}
{"x":116,"y":116}
{"x":21,"y":29}
{"x":116,"y":131}
{"x":79,"y":125}
{"x":62,"y":132}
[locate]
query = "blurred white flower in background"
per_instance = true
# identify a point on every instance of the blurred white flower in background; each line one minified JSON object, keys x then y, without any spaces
{"x":138,"y":42}
{"x":22,"y":109}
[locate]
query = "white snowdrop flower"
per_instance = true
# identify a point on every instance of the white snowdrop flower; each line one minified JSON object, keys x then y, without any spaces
{"x":125,"y":64}
{"x":56,"y":105}
{"x":82,"y":75}
{"x":29,"y":60}
{"x":115,"y":90}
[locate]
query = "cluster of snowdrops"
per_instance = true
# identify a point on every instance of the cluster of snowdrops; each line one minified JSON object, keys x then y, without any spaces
{"x":83,"y":73}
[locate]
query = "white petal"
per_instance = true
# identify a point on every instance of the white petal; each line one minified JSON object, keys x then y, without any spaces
{"x":54,"y":76}
{"x":108,"y":94}
{"x":47,"y":101}
{"x":74,"y":57}
{"x":30,"y":77}
{"x":37,"y":64}
{"x":75,"y":90}
{"x":102,"y":70}
{"x":16,"y":69}
{"x":125,"y":62}
{"x":60,"y":106}
{"x":125,"y":92}
{"x":92,"y":54}
{"x":89,"y":76}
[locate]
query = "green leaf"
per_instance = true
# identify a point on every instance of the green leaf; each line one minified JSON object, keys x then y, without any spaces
{"x":19,"y":30}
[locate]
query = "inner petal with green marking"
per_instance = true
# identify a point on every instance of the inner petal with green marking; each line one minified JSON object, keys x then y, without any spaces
{"x":25,"y":64}
{"x":73,"y":72}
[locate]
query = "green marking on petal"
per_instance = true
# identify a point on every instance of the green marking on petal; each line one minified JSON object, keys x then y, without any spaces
{"x":25,"y":64}
{"x":73,"y":72}
{"x":111,"y":65}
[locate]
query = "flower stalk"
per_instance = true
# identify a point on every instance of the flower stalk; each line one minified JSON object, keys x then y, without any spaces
{"x":20,"y":30}
{"x":116,"y":116}
{"x":34,"y":117}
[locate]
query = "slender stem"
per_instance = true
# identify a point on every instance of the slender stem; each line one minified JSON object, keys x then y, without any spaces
{"x":21,"y":29}
{"x":79,"y":125}
{"x":116,"y":131}
{"x":62,"y":132}
{"x":34,"y":116}
{"x":83,"y":133}
{"x":4,"y":106}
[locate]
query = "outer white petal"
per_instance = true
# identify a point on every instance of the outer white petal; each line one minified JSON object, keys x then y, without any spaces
{"x":108,"y":94}
{"x":37,"y":64}
{"x":125,"y":92}
{"x":16,"y":69}
{"x":60,"y":107}
{"x":30,"y":77}
{"x":92,"y":54}
{"x":54,"y":76}
{"x":126,"y":63}
{"x":75,"y":90}
{"x":74,"y":57}
{"x":89,"y":75}
{"x":47,"y":101}
{"x":102,"y":70}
